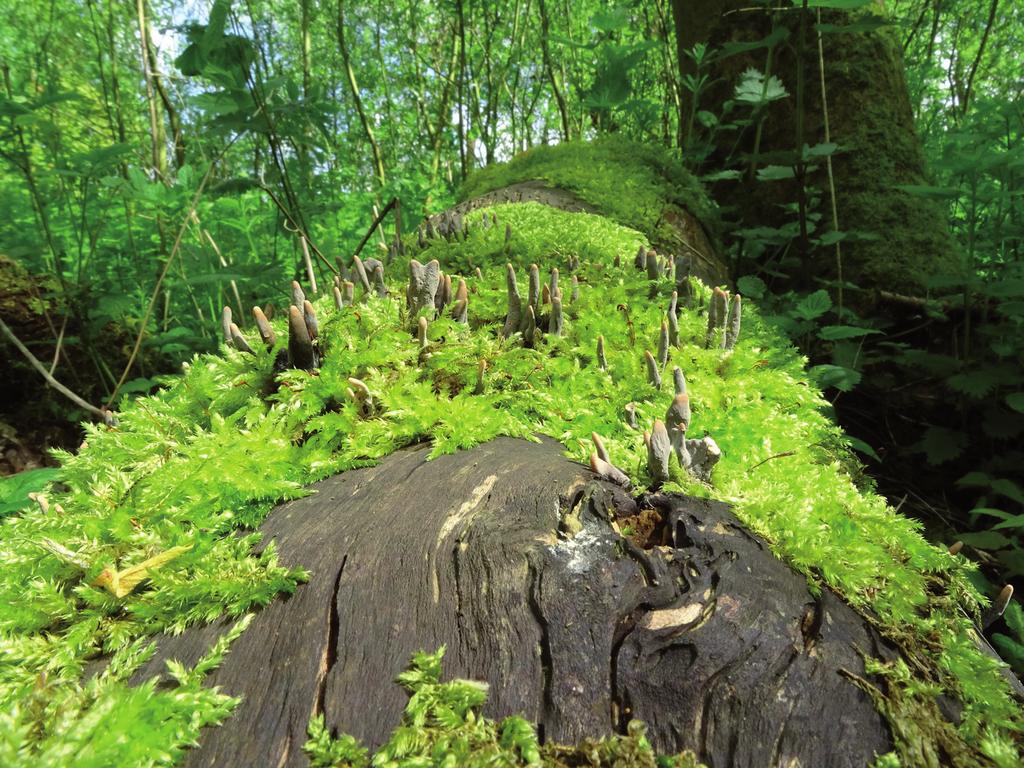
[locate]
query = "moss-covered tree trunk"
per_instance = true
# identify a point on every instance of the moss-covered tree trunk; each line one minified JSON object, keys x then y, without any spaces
{"x":869,"y":117}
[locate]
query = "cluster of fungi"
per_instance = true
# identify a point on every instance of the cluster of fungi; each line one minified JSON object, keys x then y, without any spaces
{"x":430,"y":293}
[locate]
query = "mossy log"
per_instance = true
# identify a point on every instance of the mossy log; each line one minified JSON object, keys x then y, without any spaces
{"x":513,"y":557}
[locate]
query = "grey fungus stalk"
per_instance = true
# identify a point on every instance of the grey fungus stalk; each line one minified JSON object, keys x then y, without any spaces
{"x":360,"y":270}
{"x":717,"y":312}
{"x":225,"y":324}
{"x":267,"y":335}
{"x":653,"y":374}
{"x":378,"y":282}
{"x":732,"y":328}
{"x":533,"y":295}
{"x":513,"y":319}
{"x":602,"y":452}
{"x":309,"y":317}
{"x":659,"y":451}
{"x":339,"y":302}
{"x":608,"y":471}
{"x":423,"y":282}
{"x":530,"y":328}
{"x":297,"y":295}
{"x":663,"y":344}
{"x":602,"y":361}
{"x":679,"y":380}
{"x":363,"y":397}
{"x":300,"y":347}
{"x":673,"y":320}
{"x":239,"y":341}
{"x":555,"y":321}
{"x":653,"y":268}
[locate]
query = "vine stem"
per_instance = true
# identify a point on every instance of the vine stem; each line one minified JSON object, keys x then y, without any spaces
{"x":828,"y":170}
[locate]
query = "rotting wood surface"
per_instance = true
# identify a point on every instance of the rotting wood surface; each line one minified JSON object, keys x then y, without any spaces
{"x":708,"y":638}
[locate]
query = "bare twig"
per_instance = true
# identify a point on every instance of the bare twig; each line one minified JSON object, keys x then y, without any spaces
{"x":48,"y":376}
{"x":376,"y":223}
{"x":775,"y":456}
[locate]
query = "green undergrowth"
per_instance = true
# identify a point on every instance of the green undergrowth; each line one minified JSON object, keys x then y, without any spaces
{"x":199,"y":464}
{"x":630,"y":183}
{"x":443,"y":726}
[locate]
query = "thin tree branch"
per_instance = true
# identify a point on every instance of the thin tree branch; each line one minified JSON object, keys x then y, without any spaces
{"x":99,"y":413}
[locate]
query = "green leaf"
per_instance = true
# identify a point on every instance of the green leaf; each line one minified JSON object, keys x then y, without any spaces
{"x":835,"y":376}
{"x":777,"y":35}
{"x":752,"y":286}
{"x":1016,"y":401}
{"x":837,"y":332}
{"x":975,"y":480}
{"x":861,"y":447}
{"x":823,"y":149}
{"x":775,"y":173}
{"x":14,"y":490}
{"x":722,"y":176}
{"x":990,"y":512}
{"x":974,"y":384}
{"x":985,"y":540}
{"x":1014,"y":523}
{"x":812,"y":306}
{"x":756,"y":90}
{"x":1009,"y":489}
{"x":940,"y":445}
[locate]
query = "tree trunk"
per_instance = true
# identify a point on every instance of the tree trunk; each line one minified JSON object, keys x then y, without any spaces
{"x":510,"y":554}
{"x":869,"y":117}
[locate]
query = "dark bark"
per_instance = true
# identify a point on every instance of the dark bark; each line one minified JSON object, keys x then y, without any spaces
{"x":691,"y":625}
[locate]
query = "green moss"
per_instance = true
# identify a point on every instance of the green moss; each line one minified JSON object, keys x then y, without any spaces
{"x":630,"y":183}
{"x":213,"y":451}
{"x":442,"y":726}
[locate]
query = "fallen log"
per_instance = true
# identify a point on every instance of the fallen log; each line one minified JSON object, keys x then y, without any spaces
{"x":581,"y":606}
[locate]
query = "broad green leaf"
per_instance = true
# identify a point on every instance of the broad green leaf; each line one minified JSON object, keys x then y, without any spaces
{"x":861,"y":447}
{"x":941,"y":445}
{"x":756,"y":90}
{"x":990,"y":512}
{"x":1009,"y":489}
{"x":1016,"y":401}
{"x":752,"y":286}
{"x":14,"y":490}
{"x":775,"y":173}
{"x":837,"y":332}
{"x":836,"y":376}
{"x":812,"y":306}
{"x":1015,"y":523}
{"x":985,"y":540}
